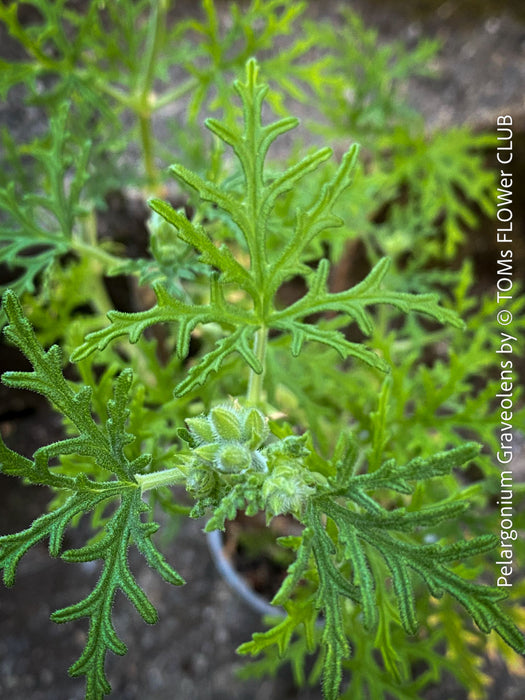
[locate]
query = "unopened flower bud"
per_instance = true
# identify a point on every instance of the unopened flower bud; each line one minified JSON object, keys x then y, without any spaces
{"x":255,"y":429}
{"x":208,"y":453}
{"x":202,"y":481}
{"x":285,"y":491}
{"x":233,"y":457}
{"x":225,"y":424}
{"x":200,"y":429}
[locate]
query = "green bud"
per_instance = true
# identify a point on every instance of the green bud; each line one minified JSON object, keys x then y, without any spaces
{"x":225,"y":423}
{"x":289,"y":448}
{"x":208,"y":453}
{"x":259,"y":463}
{"x":255,"y":428}
{"x":185,"y":435}
{"x":200,"y":429}
{"x":285,"y":491}
{"x":228,"y":438}
{"x":233,"y":458}
{"x":201,"y":481}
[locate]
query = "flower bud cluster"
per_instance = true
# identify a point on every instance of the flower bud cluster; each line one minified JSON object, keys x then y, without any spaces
{"x":290,"y":483}
{"x":286,"y":490}
{"x":229,"y":438}
{"x":232,"y":440}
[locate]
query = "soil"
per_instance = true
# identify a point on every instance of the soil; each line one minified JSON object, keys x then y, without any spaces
{"x":190,"y":653}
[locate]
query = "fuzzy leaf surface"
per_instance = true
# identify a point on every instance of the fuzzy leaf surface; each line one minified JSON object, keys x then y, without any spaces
{"x":104,"y":443}
{"x":351,"y":542}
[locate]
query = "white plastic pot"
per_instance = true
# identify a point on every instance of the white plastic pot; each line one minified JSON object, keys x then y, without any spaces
{"x":235,"y":580}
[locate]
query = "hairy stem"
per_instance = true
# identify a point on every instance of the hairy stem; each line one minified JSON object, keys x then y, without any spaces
{"x":166,"y":477}
{"x":256,"y":381}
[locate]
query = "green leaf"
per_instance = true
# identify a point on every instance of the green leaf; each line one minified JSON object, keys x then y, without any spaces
{"x":302,"y":332}
{"x":281,"y":634}
{"x":250,"y":207}
{"x":354,"y":541}
{"x":104,"y":443}
{"x":397,"y":478}
{"x":38,"y":226}
{"x":438,"y":167}
{"x":51,"y":525}
{"x":332,"y":585}
{"x":297,"y":569}
{"x":47,"y":379}
{"x":238,"y":341}
{"x":311,"y":222}
{"x":227,"y":508}
{"x":119,"y":532}
{"x":167,"y":309}
{"x":220,"y":258}
{"x":354,"y":301}
{"x":223,"y":47}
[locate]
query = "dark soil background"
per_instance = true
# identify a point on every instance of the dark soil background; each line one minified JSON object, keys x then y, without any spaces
{"x":190,"y":653}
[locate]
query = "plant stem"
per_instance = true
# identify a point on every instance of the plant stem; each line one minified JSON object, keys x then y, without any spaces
{"x":98,"y":260}
{"x":175,"y":94}
{"x":256,"y":381}
{"x":146,"y":83}
{"x":154,"y":41}
{"x":93,"y":252}
{"x":147,"y":140}
{"x":166,"y":477}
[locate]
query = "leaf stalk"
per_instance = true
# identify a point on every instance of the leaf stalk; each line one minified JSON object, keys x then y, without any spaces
{"x":166,"y":477}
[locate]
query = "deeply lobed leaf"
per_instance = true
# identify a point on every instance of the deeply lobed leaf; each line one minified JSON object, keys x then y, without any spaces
{"x":105,"y":443}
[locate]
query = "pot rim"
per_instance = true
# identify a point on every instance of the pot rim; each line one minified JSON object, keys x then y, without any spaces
{"x":236,"y":581}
